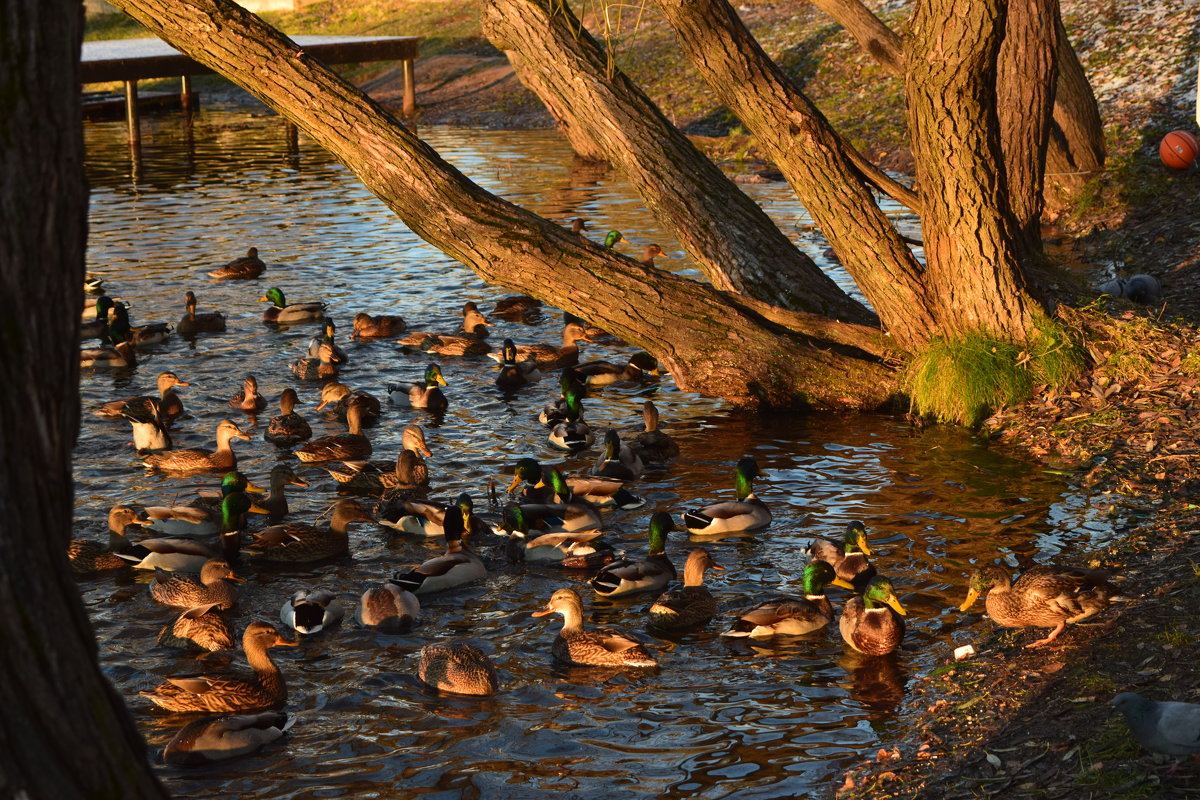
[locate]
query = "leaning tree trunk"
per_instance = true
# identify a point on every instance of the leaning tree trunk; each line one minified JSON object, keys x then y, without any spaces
{"x":64,"y":731}
{"x":711,"y":341}
{"x":728,"y":235}
{"x":808,"y":152}
{"x":972,"y":266}
{"x":568,"y":122}
{"x":1075,"y":151}
{"x":1025,"y":82}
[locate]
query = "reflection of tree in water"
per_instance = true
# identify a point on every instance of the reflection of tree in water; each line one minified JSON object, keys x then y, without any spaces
{"x":580,"y":190}
{"x":876,"y":681}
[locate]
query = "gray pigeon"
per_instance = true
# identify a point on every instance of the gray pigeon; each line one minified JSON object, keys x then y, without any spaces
{"x":1171,"y":728}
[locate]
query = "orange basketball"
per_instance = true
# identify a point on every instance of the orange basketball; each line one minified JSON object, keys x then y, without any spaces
{"x":1178,"y":149}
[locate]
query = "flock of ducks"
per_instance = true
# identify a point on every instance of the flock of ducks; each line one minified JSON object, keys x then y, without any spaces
{"x":552,"y":518}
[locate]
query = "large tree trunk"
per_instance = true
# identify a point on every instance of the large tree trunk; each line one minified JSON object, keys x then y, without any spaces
{"x":64,"y":731}
{"x":711,"y":341}
{"x":1025,"y":98}
{"x":971,"y":256}
{"x":729,"y":237}
{"x":568,"y":122}
{"x":1075,"y":151}
{"x":808,"y":152}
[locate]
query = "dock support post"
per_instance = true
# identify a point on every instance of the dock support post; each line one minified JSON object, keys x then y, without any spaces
{"x":185,"y":94}
{"x":410,"y":88}
{"x":131,"y":113}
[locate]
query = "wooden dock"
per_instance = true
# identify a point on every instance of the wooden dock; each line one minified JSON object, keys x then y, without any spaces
{"x":131,"y":60}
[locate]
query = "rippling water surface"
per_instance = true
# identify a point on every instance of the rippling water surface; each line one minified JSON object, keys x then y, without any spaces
{"x":722,"y":717}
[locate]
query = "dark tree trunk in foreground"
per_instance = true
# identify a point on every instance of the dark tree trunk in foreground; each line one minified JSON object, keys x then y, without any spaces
{"x":712,"y":341}
{"x":730,"y":238}
{"x":64,"y":731}
{"x":970,"y":248}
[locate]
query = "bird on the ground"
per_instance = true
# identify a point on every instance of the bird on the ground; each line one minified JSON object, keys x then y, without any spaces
{"x":1168,"y":727}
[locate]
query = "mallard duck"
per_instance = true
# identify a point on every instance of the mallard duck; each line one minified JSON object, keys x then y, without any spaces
{"x":649,"y":253}
{"x":283,"y":313}
{"x":214,"y":693}
{"x":192,"y":323}
{"x":649,"y":574}
{"x":555,"y":411}
{"x":336,"y":354}
{"x":312,"y":611}
{"x":203,"y":518}
{"x":198,"y":459}
{"x":445,"y":344}
{"x":652,"y":444}
{"x":516,"y":306}
{"x":566,"y":514}
{"x":595,"y":374}
{"x":208,"y":740}
{"x":592,"y":489}
{"x":600,"y":647}
{"x":202,"y":628}
{"x":848,"y":558}
{"x":578,"y":226}
{"x":170,"y":407}
{"x":593,"y":333}
{"x":574,"y":549}
{"x":87,"y":556}
{"x":693,"y":604}
{"x":515,"y":374}
{"x":298,"y":542}
{"x":322,"y":367}
{"x":429,"y":519}
{"x":455,"y":567}
{"x":340,"y":396}
{"x":1045,"y":596}
{"x":872,"y":622}
{"x":244,"y":268}
{"x":474,"y":322}
{"x":121,"y":329}
{"x":790,"y":616}
{"x":458,"y":668}
{"x":119,"y":356}
{"x":215,"y":586}
{"x":248,"y":399}
{"x":547,"y":357}
{"x":368,"y":327}
{"x":351,"y":446}
{"x":618,"y":461}
{"x":389,"y":608}
{"x":93,"y":283}
{"x":189,"y":555}
{"x":409,"y":469}
{"x":612,"y":238}
{"x":421,"y":395}
{"x":149,"y":428}
{"x":572,"y":433}
{"x":276,"y":501}
{"x":289,"y":428}
{"x":746,"y":513}
{"x":96,"y":327}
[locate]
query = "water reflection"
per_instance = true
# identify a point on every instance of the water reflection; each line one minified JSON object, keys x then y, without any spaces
{"x":719,"y":717}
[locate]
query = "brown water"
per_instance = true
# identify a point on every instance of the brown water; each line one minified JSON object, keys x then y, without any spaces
{"x":721,"y":718}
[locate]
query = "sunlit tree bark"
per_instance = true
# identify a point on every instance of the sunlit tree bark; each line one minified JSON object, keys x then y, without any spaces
{"x":64,"y":731}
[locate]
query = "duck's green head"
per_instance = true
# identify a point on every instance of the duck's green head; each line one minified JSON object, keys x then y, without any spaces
{"x":274,"y":295}
{"x":574,"y":405}
{"x":233,"y":506}
{"x":981,"y":582}
{"x":612,"y":445}
{"x":529,"y":471}
{"x":612,"y":237}
{"x":559,"y":484}
{"x":569,"y":381}
{"x":817,"y":575}
{"x":104,"y":304}
{"x":118,"y":327}
{"x":880,"y":593}
{"x":433,"y":376}
{"x":235,"y":481}
{"x":661,"y":523}
{"x":509,"y":352}
{"x":743,"y":477}
{"x":514,"y":519}
{"x":644,"y":361}
{"x":330,"y":328}
{"x":856,"y":538}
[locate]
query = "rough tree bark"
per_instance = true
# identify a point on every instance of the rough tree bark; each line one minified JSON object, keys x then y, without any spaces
{"x":1075,"y":152}
{"x":800,"y":142}
{"x":972,"y":265}
{"x":568,"y":123}
{"x":64,"y":731}
{"x":729,"y":237}
{"x":712,"y":341}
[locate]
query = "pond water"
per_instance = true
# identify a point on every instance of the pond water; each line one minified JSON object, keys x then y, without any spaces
{"x":721,"y":717}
